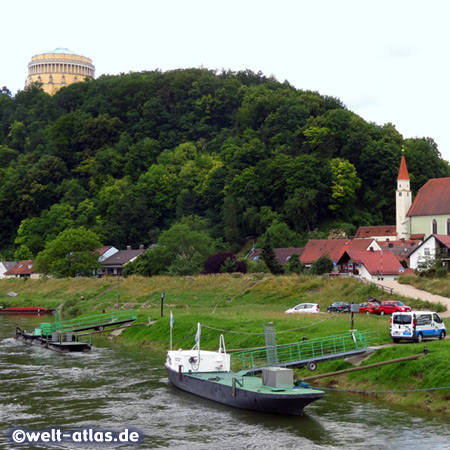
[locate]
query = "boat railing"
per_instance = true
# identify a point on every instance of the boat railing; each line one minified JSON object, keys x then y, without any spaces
{"x":303,"y":351}
{"x":98,"y":321}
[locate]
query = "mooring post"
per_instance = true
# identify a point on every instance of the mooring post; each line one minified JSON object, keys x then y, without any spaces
{"x":162,"y":303}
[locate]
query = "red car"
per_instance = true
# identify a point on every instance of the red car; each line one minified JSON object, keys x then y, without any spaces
{"x":367,"y":307}
{"x":391,"y":307}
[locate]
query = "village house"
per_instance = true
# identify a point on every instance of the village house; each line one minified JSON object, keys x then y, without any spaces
{"x":379,"y":233}
{"x":425,"y":254}
{"x":5,"y":266}
{"x":24,"y":269}
{"x":113,"y":265}
{"x":372,"y":265}
{"x":334,"y":249}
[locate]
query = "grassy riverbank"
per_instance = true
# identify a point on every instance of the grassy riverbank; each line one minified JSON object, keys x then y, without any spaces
{"x":244,"y":303}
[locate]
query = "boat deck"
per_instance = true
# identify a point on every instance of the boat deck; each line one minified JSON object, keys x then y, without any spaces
{"x":249,"y":383}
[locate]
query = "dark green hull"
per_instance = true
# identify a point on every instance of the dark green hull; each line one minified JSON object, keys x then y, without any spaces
{"x":246,"y":392}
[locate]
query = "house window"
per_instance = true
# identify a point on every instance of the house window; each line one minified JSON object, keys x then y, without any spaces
{"x":434,"y":226}
{"x":426,"y":251}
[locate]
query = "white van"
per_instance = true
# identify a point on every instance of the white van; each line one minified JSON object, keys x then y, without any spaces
{"x":416,"y":325}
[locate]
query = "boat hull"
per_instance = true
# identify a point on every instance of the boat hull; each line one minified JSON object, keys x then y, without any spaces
{"x":17,"y":311}
{"x":230,"y":393}
{"x":74,"y":346}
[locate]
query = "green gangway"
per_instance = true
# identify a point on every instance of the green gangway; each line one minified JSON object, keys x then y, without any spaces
{"x":95,"y":322}
{"x":302,"y":353}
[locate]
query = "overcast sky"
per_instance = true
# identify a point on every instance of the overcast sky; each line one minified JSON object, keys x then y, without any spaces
{"x":386,"y":60}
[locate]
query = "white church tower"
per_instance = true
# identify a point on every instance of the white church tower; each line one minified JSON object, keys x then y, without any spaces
{"x":403,"y":199}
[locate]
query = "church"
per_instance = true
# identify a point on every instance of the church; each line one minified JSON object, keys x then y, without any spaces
{"x":422,"y":228}
{"x":426,"y":218}
{"x":428,"y":214}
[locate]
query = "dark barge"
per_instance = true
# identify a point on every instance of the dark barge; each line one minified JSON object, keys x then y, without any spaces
{"x":208,"y":374}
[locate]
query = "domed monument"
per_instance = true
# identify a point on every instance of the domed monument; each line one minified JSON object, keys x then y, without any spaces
{"x":58,"y":68}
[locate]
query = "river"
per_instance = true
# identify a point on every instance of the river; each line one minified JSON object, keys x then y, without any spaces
{"x":120,"y":389}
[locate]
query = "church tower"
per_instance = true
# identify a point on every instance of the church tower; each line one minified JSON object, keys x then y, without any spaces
{"x":403,"y":199}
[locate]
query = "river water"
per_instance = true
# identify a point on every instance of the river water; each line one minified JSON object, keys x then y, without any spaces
{"x":121,"y":389}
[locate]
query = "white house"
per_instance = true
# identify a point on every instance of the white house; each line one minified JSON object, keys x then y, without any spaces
{"x":425,"y":253}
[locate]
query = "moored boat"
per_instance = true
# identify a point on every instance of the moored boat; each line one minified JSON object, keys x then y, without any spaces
{"x":63,"y":336}
{"x":208,"y":374}
{"x":35,"y":310}
{"x":45,"y":337}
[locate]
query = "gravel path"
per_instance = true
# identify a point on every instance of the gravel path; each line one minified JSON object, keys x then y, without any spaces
{"x":410,"y":291}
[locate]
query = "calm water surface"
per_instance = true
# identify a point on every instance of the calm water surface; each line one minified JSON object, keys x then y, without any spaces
{"x":114,"y":389}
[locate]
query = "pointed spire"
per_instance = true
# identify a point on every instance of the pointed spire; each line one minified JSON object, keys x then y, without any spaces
{"x":403,"y":172}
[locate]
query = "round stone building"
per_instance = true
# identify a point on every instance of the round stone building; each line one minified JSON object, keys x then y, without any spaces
{"x":58,"y":68}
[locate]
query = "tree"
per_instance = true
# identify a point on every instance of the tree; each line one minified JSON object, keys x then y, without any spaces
{"x":344,"y":186}
{"x":268,"y":256}
{"x":294,"y":265}
{"x":224,"y":263}
{"x":72,"y":254}
{"x":180,"y":251}
{"x":214,"y":262}
{"x":281,"y":235}
{"x":322,"y":265}
{"x":301,"y":209}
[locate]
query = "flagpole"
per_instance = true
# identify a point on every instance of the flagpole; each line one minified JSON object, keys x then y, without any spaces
{"x":171,"y":327}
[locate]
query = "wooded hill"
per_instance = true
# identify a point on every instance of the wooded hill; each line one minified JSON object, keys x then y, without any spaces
{"x":128,"y":156}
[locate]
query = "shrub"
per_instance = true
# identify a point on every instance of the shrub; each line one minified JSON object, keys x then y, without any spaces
{"x":441,"y":272}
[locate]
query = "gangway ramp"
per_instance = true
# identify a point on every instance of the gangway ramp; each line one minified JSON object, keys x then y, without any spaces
{"x":304,"y":353}
{"x":97,"y":322}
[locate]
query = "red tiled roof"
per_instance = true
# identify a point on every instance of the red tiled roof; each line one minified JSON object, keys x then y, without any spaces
{"x":433,"y":198}
{"x":443,"y":238}
{"x":381,"y":230}
{"x":333,"y":248}
{"x":417,"y":237}
{"x":385,"y":262}
{"x":403,"y":171}
{"x":22,"y":268}
{"x":104,"y":249}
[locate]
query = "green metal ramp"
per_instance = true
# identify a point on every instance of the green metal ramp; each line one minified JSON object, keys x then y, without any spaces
{"x":96,"y":322}
{"x":302,"y":353}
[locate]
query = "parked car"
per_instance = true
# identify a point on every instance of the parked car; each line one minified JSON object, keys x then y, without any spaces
{"x":391,"y":307}
{"x":416,"y":326}
{"x":339,"y":307}
{"x":304,"y":308}
{"x":366,"y":308}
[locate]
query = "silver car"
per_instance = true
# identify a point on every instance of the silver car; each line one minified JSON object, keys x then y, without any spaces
{"x":304,"y":308}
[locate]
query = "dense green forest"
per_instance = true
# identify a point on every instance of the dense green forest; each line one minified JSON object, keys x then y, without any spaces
{"x":234,"y":153}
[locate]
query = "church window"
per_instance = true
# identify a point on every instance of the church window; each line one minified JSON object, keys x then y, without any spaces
{"x":434,"y":226}
{"x":448,"y":227}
